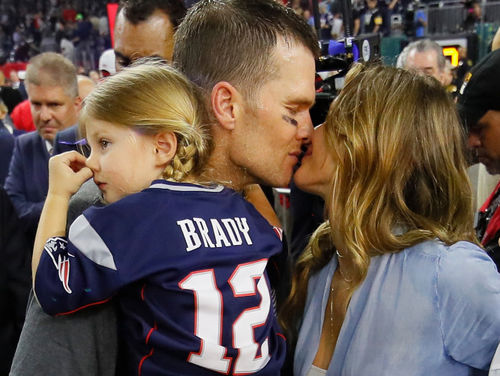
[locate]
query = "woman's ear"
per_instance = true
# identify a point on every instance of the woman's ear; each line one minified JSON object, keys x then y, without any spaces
{"x":165,"y":147}
{"x":225,"y":101}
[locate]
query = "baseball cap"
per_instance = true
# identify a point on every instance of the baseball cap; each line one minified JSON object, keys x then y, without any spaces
{"x":480,"y":91}
{"x":107,"y":62}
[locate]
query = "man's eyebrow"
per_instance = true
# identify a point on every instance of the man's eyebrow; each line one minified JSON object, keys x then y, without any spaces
{"x":302,"y":102}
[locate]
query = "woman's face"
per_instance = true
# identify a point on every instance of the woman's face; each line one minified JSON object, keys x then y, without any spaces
{"x":315,"y":173}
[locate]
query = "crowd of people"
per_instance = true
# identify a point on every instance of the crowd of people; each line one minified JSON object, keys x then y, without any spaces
{"x":78,"y":30}
{"x":140,"y":239}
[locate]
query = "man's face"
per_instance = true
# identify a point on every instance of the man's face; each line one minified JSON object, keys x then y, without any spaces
{"x":425,"y":63}
{"x":52,"y":109}
{"x":271,"y":131}
{"x":484,"y":139}
{"x":152,"y":37}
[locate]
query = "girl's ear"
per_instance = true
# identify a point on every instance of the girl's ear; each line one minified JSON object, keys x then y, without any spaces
{"x":165,"y":147}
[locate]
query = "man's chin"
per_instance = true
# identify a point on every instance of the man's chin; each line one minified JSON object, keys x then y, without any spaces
{"x":492,"y":167}
{"x":493,"y":170}
{"x":49,"y":136}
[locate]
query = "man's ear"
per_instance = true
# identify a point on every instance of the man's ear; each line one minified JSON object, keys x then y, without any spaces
{"x":226,"y":101}
{"x":78,"y":103}
{"x":165,"y":144}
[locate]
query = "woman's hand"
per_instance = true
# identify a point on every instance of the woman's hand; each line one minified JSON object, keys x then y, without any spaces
{"x":67,"y":172}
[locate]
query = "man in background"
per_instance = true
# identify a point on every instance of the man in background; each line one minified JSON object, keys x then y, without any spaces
{"x":479,"y":106}
{"x":53,"y":95}
{"x":424,"y":57}
{"x":146,"y":28}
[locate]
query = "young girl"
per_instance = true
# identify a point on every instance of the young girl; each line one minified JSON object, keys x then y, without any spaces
{"x":187,"y":261}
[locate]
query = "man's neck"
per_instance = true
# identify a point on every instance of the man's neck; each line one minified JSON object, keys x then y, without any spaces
{"x":221,"y":170}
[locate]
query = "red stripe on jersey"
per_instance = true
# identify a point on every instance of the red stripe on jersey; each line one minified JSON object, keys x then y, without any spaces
{"x":281,"y":335}
{"x":154,"y":328}
{"x":139,"y":369}
{"x":279,"y":232}
{"x":82,"y":307}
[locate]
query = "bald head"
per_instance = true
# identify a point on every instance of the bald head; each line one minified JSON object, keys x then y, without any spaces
{"x":85,"y":86}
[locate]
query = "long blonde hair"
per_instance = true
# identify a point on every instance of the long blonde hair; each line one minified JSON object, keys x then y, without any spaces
{"x":399,"y":178}
{"x":153,"y":97}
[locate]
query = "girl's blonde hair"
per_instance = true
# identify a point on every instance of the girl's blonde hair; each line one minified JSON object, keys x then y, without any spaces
{"x":399,"y":178}
{"x":152,"y":97}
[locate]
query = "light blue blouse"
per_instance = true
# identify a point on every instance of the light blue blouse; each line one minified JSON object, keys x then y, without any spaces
{"x":428,"y":310}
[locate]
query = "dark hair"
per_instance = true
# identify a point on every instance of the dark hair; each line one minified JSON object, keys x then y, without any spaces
{"x":233,"y":40}
{"x":136,"y":11}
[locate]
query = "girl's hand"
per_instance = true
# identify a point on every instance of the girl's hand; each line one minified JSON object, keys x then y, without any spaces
{"x":67,"y":172}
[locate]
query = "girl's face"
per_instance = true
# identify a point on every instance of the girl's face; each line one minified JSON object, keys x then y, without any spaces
{"x":122,"y":159}
{"x":317,"y":167}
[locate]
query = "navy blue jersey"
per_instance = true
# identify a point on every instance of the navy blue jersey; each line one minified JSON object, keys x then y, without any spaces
{"x":188,"y":265}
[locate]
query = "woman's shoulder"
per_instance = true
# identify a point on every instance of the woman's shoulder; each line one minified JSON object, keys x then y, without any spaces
{"x":466,"y":269}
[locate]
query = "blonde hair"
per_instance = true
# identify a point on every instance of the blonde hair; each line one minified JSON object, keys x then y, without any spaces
{"x":399,"y":177}
{"x":153,"y":97}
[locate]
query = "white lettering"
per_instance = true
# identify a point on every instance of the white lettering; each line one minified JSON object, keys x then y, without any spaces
{"x":232,"y":231}
{"x":202,"y":226}
{"x":223,"y":232}
{"x":220,"y":237}
{"x":190,"y":236}
{"x":243,"y":226}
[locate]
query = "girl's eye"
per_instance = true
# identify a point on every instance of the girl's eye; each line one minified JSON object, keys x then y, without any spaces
{"x":104,"y":144}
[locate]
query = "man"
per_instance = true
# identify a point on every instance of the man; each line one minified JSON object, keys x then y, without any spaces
{"x":146,"y":28}
{"x":374,"y":18}
{"x":261,"y":96}
{"x":479,"y":106}
{"x":53,"y":95}
{"x":424,"y":57}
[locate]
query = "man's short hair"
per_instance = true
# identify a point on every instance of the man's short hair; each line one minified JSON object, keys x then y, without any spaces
{"x":233,"y":40}
{"x":422,"y":45}
{"x":52,"y":69}
{"x":137,"y":11}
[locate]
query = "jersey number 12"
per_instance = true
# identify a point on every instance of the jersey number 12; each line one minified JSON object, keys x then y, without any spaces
{"x":208,"y":318}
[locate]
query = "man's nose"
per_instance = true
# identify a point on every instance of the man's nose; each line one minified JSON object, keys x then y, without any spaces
{"x":473,"y":140}
{"x":45,"y":113}
{"x":305,"y":128}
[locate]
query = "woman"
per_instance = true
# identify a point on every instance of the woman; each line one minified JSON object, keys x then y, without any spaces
{"x":394,"y":283}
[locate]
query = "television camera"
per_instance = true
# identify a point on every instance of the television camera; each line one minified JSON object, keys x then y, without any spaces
{"x":337,"y":57}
